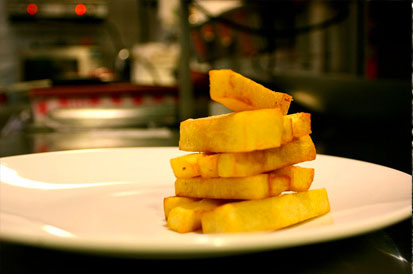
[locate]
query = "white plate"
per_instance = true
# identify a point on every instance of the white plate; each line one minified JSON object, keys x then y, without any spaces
{"x":110,"y":201}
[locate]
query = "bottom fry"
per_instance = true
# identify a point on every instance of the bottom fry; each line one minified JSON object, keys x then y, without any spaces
{"x":183,"y":214}
{"x":266,"y":214}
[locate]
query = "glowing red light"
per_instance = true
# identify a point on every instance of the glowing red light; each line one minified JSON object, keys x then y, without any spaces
{"x":32,"y":9}
{"x":80,"y":9}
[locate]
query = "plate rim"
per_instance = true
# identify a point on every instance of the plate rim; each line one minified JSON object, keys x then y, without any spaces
{"x":321,"y":234}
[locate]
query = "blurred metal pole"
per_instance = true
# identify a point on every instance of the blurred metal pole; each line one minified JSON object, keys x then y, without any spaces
{"x":186,"y":98}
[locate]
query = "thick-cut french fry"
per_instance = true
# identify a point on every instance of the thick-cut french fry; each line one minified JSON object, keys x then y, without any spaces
{"x":208,"y":166}
{"x":300,"y":178}
{"x":287,"y":130}
{"x":256,"y":162}
{"x":266,"y":214}
{"x":296,"y":125}
{"x":184,"y":214}
{"x":199,"y":164}
{"x":239,"y":93}
{"x":301,"y":123}
{"x":186,"y":166}
{"x":173,"y":201}
{"x":233,"y":132}
{"x":252,"y":187}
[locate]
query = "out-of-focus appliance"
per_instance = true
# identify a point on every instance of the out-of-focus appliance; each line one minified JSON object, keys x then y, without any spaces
{"x":61,"y":9}
{"x":59,"y":62}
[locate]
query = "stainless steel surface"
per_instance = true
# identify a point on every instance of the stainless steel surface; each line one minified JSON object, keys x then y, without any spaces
{"x":69,"y":139}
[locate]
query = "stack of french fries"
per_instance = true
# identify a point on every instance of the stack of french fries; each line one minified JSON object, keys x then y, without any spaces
{"x":242,"y":176}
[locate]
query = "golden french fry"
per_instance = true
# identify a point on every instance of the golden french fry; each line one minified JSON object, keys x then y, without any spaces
{"x":266,"y":214}
{"x":287,"y":130}
{"x":208,"y":166}
{"x":301,"y":123}
{"x":173,"y":201}
{"x":256,"y":162}
{"x":239,"y":93}
{"x":233,"y":132}
{"x":296,"y":125}
{"x":243,"y":164}
{"x":252,"y":187}
{"x":193,"y":165}
{"x":259,"y":161}
{"x":300,"y":177}
{"x":184,"y":214}
{"x":186,"y":166}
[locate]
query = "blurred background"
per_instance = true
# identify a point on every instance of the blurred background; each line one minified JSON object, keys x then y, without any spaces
{"x":100,"y":73}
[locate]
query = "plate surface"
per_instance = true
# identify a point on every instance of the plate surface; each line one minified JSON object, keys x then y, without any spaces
{"x":111,"y":201}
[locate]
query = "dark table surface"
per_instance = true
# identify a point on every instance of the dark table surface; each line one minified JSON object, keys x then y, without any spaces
{"x":384,"y":251}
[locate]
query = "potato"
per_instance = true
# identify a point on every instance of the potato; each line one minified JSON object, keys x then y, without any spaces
{"x":194,"y":164}
{"x":186,"y":166}
{"x":208,"y":166}
{"x":287,"y":130}
{"x":300,"y":177}
{"x":266,"y":214}
{"x":256,"y":162}
{"x":252,"y":187}
{"x":184,"y":214}
{"x":171,"y":202}
{"x":296,"y":125}
{"x":239,"y":93}
{"x":233,"y":132}
{"x":247,"y":164}
{"x":301,"y":123}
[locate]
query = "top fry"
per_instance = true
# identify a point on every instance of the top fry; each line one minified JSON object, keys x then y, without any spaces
{"x":239,"y":93}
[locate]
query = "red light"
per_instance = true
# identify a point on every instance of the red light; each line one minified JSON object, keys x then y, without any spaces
{"x":80,"y":9}
{"x":31,"y":9}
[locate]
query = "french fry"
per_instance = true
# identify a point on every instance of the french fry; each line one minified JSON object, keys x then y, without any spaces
{"x":287,"y":130}
{"x":301,"y":123}
{"x":256,"y":162}
{"x":266,"y":214}
{"x":184,"y":214}
{"x":252,"y":187}
{"x":233,"y":132}
{"x":186,"y":166}
{"x":199,"y":164}
{"x":208,"y":166}
{"x":300,"y":178}
{"x":296,"y":125}
{"x":171,"y":202}
{"x":239,"y":93}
